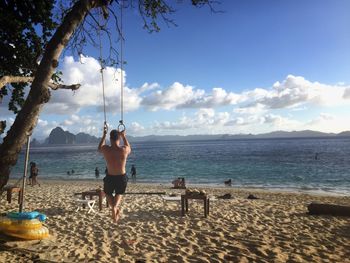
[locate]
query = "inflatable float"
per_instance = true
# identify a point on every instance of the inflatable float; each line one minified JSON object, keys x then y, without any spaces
{"x":27,"y":225}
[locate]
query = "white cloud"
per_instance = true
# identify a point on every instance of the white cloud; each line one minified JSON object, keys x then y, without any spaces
{"x":178,"y":96}
{"x":326,"y":116}
{"x":329,"y":123}
{"x":276,"y":120}
{"x":91,"y":92}
{"x":321,"y":119}
{"x":252,"y":111}
{"x":87,"y":124}
{"x":295,"y":91}
{"x":43,"y":128}
{"x":203,"y":121}
{"x":242,"y":121}
{"x":172,"y":97}
{"x":135,"y":128}
{"x":73,"y":124}
{"x":183,"y":124}
{"x":220,"y":97}
{"x":205,"y":116}
{"x":346,"y":94}
{"x":221,"y":118}
{"x":258,"y":122}
{"x":67,"y":123}
{"x":148,"y":87}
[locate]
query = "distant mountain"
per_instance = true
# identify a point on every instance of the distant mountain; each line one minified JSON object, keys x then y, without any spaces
{"x":59,"y":136}
{"x":344,"y":134}
{"x":293,"y":134}
{"x":86,"y":138}
{"x":35,"y":143}
{"x":270,"y":135}
{"x":157,"y":138}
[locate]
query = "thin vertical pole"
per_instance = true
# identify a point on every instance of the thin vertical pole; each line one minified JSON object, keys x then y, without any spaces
{"x":21,"y":204}
{"x":121,"y":65}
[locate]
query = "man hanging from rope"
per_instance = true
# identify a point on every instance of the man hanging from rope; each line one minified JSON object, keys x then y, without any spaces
{"x":116,"y":180}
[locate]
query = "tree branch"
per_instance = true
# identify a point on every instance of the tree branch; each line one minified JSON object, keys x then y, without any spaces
{"x":14,"y":79}
{"x":61,"y":86}
{"x":18,"y":79}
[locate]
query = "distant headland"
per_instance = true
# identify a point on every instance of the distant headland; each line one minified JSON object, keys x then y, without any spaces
{"x":58,"y":137}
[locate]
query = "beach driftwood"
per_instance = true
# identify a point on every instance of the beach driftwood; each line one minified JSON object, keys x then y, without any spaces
{"x":328,"y":209}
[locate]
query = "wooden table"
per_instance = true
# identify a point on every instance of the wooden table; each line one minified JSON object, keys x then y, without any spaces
{"x":13,"y":189}
{"x":92,"y":193}
{"x":184,"y":203}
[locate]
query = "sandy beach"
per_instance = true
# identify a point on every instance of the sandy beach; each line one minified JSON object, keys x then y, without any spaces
{"x":274,"y":228}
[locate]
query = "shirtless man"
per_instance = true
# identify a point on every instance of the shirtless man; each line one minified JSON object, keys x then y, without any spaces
{"x":115,"y":156}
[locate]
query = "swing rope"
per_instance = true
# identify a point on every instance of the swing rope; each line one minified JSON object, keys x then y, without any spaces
{"x":101,"y":70}
{"x":121,"y":126}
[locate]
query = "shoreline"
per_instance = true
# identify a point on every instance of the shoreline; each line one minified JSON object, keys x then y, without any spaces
{"x":278,"y":189}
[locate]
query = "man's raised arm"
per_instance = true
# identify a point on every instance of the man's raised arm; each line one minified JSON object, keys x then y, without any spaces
{"x":103,"y":139}
{"x":125,"y":141}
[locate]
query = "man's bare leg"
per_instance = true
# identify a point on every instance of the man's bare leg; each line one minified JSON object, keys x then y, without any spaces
{"x":117,"y":200}
{"x":111,"y":203}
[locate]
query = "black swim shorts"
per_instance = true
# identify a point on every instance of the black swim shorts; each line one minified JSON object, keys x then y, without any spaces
{"x":115,"y":184}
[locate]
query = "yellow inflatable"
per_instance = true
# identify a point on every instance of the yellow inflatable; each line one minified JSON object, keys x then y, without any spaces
{"x":23,"y":228}
{"x":30,"y":234}
{"x":5,"y":222}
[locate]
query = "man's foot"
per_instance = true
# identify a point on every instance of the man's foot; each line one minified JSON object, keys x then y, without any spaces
{"x":113,"y":215}
{"x":117,"y":215}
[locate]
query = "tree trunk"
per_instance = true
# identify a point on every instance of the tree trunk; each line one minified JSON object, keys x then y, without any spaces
{"x":39,"y":93}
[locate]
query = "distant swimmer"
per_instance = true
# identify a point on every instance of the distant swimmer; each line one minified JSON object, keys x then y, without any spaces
{"x":228,"y":182}
{"x":316,"y":156}
{"x":133,"y":173}
{"x":97,"y":172}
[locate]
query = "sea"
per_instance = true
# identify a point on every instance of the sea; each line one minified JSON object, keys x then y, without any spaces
{"x":320,"y":165}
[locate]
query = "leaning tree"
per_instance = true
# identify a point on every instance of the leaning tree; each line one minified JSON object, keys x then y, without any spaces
{"x":34,"y":33}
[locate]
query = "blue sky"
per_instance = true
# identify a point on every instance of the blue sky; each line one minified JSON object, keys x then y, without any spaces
{"x":254,"y":43}
{"x":257,"y":67}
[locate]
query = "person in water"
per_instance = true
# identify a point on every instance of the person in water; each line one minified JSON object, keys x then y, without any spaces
{"x":115,"y":181}
{"x":97,"y":172}
{"x":133,"y":173}
{"x":34,"y":171}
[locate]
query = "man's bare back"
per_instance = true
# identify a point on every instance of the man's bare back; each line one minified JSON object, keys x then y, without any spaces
{"x":115,"y":159}
{"x":115,"y":154}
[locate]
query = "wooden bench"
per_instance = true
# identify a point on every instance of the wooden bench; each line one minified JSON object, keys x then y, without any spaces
{"x":13,"y":189}
{"x":186,"y":197}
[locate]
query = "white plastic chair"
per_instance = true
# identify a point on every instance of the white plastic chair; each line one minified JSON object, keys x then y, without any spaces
{"x":89,"y":203}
